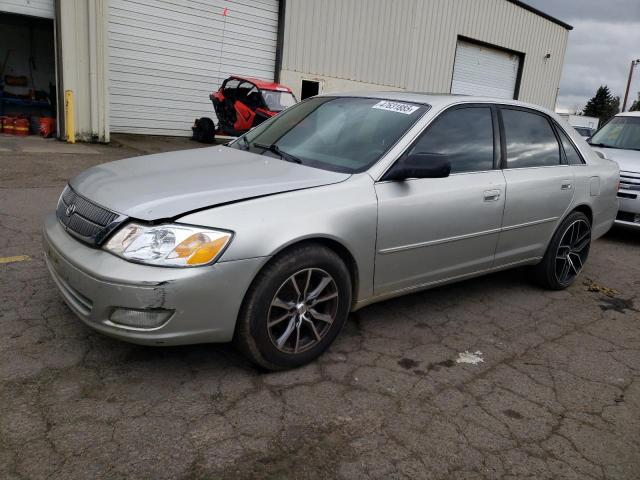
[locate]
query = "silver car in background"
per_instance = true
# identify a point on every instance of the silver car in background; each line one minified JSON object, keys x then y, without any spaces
{"x":338,"y":202}
{"x":585,"y":132}
{"x":619,"y":140}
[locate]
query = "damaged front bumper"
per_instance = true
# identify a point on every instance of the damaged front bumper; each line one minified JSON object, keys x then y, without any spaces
{"x":145,"y":304}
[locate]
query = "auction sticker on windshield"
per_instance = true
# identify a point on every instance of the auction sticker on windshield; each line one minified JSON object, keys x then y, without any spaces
{"x":397,"y":107}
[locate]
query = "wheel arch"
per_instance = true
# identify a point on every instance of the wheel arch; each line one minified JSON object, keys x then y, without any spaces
{"x":328,"y":242}
{"x":335,"y":246}
{"x":583,"y":208}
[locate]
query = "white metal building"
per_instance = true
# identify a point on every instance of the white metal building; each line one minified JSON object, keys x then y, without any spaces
{"x":498,"y":48}
{"x":148,"y":66}
{"x":165,"y":57}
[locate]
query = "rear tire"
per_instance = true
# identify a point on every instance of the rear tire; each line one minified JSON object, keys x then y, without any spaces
{"x":295,"y":308}
{"x":567,"y":253}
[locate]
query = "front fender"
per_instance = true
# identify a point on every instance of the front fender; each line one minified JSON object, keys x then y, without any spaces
{"x":345,"y":213}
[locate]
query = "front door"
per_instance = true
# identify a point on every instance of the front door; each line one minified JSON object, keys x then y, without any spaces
{"x":433,"y":230}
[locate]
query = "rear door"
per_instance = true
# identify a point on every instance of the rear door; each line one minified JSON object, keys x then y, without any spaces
{"x":540,"y":185}
{"x":436,"y":229}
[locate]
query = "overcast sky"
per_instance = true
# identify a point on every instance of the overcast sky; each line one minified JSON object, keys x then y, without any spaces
{"x":604,"y":40}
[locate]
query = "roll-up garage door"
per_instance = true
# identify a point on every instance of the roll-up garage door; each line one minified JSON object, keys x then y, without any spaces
{"x":167,"y":56}
{"x":33,"y":8}
{"x":484,"y":71}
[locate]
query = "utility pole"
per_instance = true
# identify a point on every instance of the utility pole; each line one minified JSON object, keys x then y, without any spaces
{"x":626,"y":93}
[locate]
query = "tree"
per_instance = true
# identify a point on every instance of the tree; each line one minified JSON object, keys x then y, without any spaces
{"x":635,"y":107}
{"x":602,"y":105}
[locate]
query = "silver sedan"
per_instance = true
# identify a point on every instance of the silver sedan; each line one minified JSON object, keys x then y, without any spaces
{"x":338,"y":202}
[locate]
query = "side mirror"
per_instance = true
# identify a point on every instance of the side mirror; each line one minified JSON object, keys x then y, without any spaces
{"x":420,"y":165}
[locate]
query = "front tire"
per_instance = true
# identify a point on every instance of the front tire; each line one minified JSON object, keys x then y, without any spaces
{"x":295,"y":308}
{"x":567,"y":253}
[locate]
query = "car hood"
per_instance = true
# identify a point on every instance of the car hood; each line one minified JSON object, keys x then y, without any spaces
{"x":628,"y":160}
{"x":166,"y":185}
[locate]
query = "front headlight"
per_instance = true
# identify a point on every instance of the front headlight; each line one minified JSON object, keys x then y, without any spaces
{"x":168,"y":245}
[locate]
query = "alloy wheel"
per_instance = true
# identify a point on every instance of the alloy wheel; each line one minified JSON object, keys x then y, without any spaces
{"x":572,"y":251}
{"x":302,"y":310}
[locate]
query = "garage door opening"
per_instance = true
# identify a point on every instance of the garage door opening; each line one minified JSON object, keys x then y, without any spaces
{"x":484,"y":70}
{"x":27,"y":73}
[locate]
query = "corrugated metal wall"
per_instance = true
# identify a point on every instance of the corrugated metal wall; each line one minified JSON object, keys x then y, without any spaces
{"x":34,"y":8}
{"x":411,"y":44}
{"x":166,"y":56}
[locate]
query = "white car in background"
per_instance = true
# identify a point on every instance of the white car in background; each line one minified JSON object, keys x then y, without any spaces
{"x":585,"y":126}
{"x":585,"y":132}
{"x":619,"y":140}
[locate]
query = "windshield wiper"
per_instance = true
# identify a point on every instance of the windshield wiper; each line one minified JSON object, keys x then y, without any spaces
{"x":245,"y":142}
{"x":275,"y":149}
{"x":602,"y":145}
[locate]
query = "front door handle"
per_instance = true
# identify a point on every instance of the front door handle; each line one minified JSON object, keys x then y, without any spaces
{"x":491,"y":195}
{"x":566,"y":185}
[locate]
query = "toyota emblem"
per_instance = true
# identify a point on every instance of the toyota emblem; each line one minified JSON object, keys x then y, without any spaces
{"x":70,"y":210}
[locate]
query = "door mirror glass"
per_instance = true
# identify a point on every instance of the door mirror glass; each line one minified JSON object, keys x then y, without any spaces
{"x":420,"y":165}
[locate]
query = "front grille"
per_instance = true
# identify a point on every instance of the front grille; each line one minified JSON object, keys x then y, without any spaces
{"x":84,"y":219}
{"x":629,"y":181}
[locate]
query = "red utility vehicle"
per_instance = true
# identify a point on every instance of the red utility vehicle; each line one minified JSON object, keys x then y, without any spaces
{"x":240,"y":104}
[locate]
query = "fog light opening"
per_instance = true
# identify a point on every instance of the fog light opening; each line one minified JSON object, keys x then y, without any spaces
{"x":142,"y":319}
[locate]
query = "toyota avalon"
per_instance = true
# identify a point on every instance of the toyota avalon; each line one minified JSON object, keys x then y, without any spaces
{"x":338,"y":202}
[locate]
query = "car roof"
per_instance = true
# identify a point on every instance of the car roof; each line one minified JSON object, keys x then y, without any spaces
{"x":436,"y":100}
{"x":628,"y":114}
{"x":262,"y":84}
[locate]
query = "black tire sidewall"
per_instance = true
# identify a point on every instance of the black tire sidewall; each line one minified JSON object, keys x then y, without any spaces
{"x":547,"y":274}
{"x":268,"y":284}
{"x":208,"y":130}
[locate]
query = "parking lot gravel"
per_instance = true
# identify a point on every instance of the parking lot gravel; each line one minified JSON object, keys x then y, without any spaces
{"x":492,"y":378}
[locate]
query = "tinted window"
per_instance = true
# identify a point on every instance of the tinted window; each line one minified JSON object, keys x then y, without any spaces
{"x":530,"y":140}
{"x":573,"y":157}
{"x":465,"y":135}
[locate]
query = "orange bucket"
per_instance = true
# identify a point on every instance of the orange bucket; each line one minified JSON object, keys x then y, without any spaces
{"x":7,"y":124}
{"x":21,"y":127}
{"x":47,"y":126}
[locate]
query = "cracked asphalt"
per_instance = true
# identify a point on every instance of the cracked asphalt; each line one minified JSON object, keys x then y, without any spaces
{"x":556,"y":395}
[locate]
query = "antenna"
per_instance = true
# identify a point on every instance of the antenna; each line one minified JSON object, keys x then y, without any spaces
{"x":225,"y":13}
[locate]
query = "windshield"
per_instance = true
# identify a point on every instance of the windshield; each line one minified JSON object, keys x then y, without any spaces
{"x":621,"y":132}
{"x":278,"y":101}
{"x":342,"y":134}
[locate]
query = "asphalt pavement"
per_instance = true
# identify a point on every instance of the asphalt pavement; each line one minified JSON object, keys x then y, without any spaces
{"x":492,"y":378}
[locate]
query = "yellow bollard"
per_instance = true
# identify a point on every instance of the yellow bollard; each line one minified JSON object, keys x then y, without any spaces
{"x":68,"y":116}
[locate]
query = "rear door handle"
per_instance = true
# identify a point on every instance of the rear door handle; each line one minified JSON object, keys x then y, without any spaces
{"x":491,"y":195}
{"x":566,"y":185}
